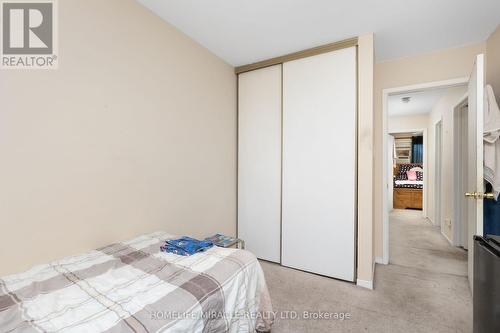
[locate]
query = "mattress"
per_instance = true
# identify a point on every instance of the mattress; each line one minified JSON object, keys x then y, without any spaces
{"x":133,"y":287}
{"x":408,"y":184}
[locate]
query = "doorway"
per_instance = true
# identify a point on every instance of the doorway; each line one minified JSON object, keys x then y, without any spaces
{"x":387,"y":187}
{"x":408,"y":157}
{"x":475,"y":92}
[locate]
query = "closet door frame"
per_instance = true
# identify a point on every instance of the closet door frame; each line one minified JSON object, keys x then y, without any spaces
{"x":352,"y":42}
{"x":343,"y":44}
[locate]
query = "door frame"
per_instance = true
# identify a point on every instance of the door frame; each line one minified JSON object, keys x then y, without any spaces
{"x":438,"y":174}
{"x":458,"y":190}
{"x":385,"y":107}
{"x":424,"y":163}
{"x":390,"y":172}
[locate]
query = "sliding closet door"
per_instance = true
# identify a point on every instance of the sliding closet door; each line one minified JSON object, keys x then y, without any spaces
{"x":319,"y":164}
{"x":259,"y":161}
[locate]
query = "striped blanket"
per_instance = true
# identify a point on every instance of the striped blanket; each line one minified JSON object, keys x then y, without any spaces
{"x":133,"y":287}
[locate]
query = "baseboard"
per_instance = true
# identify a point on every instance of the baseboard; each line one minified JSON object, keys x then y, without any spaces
{"x":381,"y":261}
{"x":449,"y":240}
{"x":365,"y":284}
{"x":368,"y":284}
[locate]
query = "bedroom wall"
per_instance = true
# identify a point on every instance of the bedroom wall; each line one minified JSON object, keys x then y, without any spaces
{"x":135,"y":132}
{"x":410,"y":122}
{"x":443,"y":110}
{"x":436,"y":66}
{"x":493,"y":61}
{"x":365,"y":246}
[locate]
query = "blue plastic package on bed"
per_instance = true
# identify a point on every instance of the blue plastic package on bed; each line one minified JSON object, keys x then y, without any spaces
{"x":185,"y":246}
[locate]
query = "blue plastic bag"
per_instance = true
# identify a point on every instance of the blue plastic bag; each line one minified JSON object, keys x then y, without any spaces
{"x":185,"y":246}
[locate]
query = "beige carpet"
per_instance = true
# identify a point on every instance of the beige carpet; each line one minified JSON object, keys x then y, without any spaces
{"x":424,"y":289}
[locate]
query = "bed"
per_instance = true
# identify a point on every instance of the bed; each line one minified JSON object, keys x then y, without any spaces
{"x":133,"y":287}
{"x":407,"y":193}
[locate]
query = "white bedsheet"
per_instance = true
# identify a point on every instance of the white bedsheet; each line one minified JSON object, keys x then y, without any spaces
{"x":409,"y":182}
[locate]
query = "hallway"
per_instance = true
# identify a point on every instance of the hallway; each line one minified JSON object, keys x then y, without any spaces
{"x":423,"y":289}
{"x":434,"y":271}
{"x":416,"y":243}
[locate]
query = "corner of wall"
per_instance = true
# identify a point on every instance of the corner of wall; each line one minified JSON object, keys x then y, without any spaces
{"x":365,"y":160}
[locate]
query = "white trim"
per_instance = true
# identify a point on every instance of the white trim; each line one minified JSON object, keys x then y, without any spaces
{"x":365,"y":284}
{"x":479,"y":142}
{"x":368,"y":284}
{"x":438,"y":214}
{"x":458,"y":219}
{"x":426,"y":86}
{"x":380,"y":260}
{"x":385,"y":97}
{"x":449,"y":240}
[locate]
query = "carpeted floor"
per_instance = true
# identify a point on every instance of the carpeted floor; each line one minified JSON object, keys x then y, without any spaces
{"x":423,"y":289}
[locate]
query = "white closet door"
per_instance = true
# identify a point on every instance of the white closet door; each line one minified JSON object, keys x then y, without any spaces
{"x":319,"y":164}
{"x":259,"y":161}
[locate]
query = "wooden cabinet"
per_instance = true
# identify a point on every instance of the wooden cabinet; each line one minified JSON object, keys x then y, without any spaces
{"x":407,"y":198}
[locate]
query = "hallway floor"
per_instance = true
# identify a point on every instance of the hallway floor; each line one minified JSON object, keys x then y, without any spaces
{"x":423,"y":289}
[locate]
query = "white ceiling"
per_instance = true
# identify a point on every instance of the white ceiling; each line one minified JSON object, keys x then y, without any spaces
{"x":421,"y":102}
{"x":246,"y":31}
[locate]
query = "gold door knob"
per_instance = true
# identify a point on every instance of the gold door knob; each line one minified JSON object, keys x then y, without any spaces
{"x":490,"y":196}
{"x":477,"y":195}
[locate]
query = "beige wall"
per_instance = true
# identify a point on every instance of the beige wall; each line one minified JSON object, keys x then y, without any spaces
{"x":442,"y":111}
{"x":365,"y":161}
{"x":118,"y":141}
{"x":436,"y":66}
{"x":493,"y":61}
{"x":410,"y":122}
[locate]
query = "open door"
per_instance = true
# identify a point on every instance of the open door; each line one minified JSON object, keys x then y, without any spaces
{"x":475,"y":182}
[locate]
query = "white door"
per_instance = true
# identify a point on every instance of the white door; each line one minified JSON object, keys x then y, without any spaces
{"x":259,"y":161}
{"x":475,"y":183}
{"x":319,"y":164}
